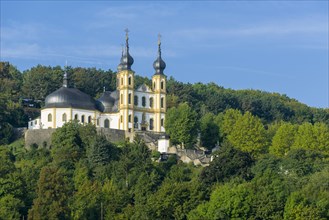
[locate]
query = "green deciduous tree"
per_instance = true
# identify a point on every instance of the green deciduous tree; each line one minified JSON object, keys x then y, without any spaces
{"x":228,"y":162}
{"x":9,"y":207}
{"x":209,"y":131}
{"x":228,"y":201}
{"x":40,"y":81}
{"x":54,"y":191}
{"x":229,"y":120}
{"x":248,"y":134}
{"x":181,"y":124}
{"x":67,"y":146}
{"x":314,"y":137}
{"x":283,"y":139}
{"x":312,"y":201}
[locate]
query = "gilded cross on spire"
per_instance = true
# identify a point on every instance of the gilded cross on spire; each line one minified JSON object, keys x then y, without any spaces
{"x":159,"y":44}
{"x":127,"y":31}
{"x":127,"y":44}
{"x":159,"y":39}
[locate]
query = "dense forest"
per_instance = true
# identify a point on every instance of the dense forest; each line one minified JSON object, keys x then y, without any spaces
{"x":272,"y":161}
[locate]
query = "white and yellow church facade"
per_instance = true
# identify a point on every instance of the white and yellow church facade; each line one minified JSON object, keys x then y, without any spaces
{"x":143,"y":109}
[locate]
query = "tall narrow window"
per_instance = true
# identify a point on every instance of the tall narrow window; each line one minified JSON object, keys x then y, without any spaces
{"x":162,"y":122}
{"x":64,"y":117}
{"x":121,"y":118}
{"x":82,"y":119}
{"x":129,"y":118}
{"x":162,"y":85}
{"x":89,"y":119}
{"x":129,"y":98}
{"x":106,"y":123}
{"x":151,"y":102}
{"x":121,"y":98}
{"x":129,"y":80}
{"x":76,"y":117}
{"x":50,"y":117}
{"x":162,"y":102}
{"x":153,"y":85}
{"x":135,"y":122}
{"x":151,"y":124}
{"x":143,"y":101}
{"x":136,"y":100}
{"x":121,"y":81}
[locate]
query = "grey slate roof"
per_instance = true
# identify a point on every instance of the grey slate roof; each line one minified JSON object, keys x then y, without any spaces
{"x":108,"y":102}
{"x":70,"y":98}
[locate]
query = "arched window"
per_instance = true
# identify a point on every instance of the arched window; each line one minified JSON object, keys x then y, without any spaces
{"x":162,"y":102}
{"x":82,"y":119}
{"x":151,"y":124}
{"x":129,"y":98}
{"x":153,"y":85}
{"x":121,"y":118}
{"x":162,"y":84}
{"x":151,"y":102}
{"x":64,"y":117}
{"x":129,"y":80}
{"x":143,"y":101}
{"x":50,"y":118}
{"x":136,"y":100}
{"x":89,"y":119}
{"x":162,"y":122}
{"x":129,"y":118}
{"x":76,"y":117}
{"x":106,"y":123}
{"x":135,"y":122}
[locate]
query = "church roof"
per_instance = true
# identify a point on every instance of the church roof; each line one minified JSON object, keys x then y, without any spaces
{"x":108,"y":102}
{"x":144,"y":88}
{"x":70,"y":98}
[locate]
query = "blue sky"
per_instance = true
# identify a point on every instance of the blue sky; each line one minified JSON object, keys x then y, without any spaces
{"x":275,"y":46}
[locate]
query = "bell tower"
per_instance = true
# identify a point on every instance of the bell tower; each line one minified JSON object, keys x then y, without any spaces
{"x":125,"y":88}
{"x":159,"y":88}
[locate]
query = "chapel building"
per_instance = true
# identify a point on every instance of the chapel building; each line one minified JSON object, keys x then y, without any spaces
{"x":125,"y":108}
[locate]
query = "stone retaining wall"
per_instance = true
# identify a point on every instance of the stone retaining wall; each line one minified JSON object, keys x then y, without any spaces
{"x":42,"y":137}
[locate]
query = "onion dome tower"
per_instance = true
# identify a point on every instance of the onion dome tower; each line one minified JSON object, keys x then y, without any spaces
{"x":159,"y":88}
{"x":125,"y":88}
{"x":126,"y":59}
{"x":159,"y":65}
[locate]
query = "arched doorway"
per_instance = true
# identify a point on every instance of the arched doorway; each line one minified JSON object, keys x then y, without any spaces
{"x":106,"y":123}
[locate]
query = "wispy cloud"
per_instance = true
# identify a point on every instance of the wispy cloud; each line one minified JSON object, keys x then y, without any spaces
{"x":131,"y":14}
{"x":282,"y":28}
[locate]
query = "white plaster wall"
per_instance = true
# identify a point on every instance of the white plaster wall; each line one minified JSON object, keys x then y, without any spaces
{"x":44,"y":118}
{"x":113,"y":118}
{"x":147,"y":97}
{"x":34,"y":124}
{"x":163,"y":145}
{"x":59,"y":116}
{"x":86,"y":113}
{"x":148,"y":116}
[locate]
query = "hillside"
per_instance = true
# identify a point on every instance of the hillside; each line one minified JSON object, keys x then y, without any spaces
{"x":272,"y":163}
